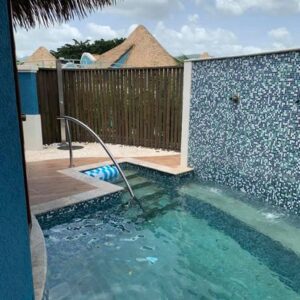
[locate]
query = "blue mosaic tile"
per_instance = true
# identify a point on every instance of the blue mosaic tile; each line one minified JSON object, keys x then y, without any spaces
{"x":252,"y":145}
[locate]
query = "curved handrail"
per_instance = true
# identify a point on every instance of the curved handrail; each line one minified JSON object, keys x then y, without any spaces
{"x":67,"y":118}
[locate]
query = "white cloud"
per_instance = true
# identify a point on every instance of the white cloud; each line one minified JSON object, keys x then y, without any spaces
{"x":149,"y":9}
{"x":131,"y":28}
{"x":238,"y":7}
{"x":279,"y":46}
{"x":193,"y":18}
{"x":282,"y":38}
{"x":51,"y":38}
{"x":97,"y":31}
{"x":279,"y":33}
{"x":194,"y":39}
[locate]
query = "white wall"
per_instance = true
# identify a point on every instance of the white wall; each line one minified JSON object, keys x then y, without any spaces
{"x":32,"y":129}
{"x":187,"y":83}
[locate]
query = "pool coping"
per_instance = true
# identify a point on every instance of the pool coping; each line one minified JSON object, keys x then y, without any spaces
{"x":38,"y":258}
{"x":161,"y":168}
{"x":102,"y":188}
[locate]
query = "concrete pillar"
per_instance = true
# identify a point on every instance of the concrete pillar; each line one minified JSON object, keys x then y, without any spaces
{"x":187,"y":84}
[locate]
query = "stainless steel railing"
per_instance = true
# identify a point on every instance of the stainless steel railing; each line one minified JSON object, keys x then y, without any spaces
{"x":93,"y":133}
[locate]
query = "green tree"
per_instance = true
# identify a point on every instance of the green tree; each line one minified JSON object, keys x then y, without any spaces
{"x":75,"y":50}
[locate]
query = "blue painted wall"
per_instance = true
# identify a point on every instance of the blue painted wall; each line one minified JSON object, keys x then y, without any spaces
{"x":15,"y":264}
{"x":252,"y":146}
{"x":28,"y":93}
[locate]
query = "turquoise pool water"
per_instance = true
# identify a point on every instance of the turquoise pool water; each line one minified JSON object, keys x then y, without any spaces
{"x":194,"y":241}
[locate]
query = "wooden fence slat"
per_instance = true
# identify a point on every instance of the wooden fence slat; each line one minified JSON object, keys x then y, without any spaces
{"x":174,"y":121}
{"x":134,"y":106}
{"x":129,"y":116}
{"x":100,"y":87}
{"x":143,"y":94}
{"x":157,"y":114}
{"x":115,"y":107}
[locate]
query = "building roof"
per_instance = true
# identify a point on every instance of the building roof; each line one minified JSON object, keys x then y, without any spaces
{"x":140,"y":49}
{"x":205,"y":55}
{"x":41,"y":58}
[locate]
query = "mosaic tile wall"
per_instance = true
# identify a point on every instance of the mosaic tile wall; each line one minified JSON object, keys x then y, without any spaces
{"x":253,"y":144}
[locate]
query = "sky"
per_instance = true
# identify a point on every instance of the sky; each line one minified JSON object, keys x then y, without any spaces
{"x":219,"y":27}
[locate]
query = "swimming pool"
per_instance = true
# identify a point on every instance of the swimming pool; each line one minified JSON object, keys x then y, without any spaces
{"x":193,"y":241}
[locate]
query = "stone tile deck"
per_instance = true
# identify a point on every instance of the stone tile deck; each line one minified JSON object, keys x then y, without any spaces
{"x":47,"y":184}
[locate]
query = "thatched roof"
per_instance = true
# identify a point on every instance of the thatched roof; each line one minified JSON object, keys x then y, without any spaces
{"x":41,"y":58}
{"x":140,"y":49}
{"x":205,"y":55}
{"x":29,"y":13}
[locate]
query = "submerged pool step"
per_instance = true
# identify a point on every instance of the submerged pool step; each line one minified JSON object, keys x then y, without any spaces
{"x":155,"y":202}
{"x":129,"y":175}
{"x":150,"y":194}
{"x":136,"y":182}
{"x":159,"y":200}
{"x":266,"y":223}
{"x":147,"y":193}
{"x":160,"y":208}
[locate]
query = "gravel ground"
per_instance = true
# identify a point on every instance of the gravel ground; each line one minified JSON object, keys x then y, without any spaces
{"x":93,"y":150}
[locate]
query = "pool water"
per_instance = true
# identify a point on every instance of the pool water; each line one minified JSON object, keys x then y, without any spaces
{"x":193,"y":241}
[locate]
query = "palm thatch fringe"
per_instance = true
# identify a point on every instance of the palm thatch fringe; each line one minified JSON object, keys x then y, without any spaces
{"x":29,"y":13}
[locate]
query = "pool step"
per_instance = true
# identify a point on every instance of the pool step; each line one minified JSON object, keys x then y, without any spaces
{"x":159,"y":201}
{"x":158,"y":206}
{"x":153,"y":198}
{"x":152,"y":212}
{"x":146,"y":193}
{"x":129,"y":175}
{"x":137,"y":182}
{"x":266,"y":223}
{"x":149,"y":192}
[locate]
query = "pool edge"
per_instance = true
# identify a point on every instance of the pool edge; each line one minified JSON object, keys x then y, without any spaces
{"x":38,"y":258}
{"x":102,"y":188}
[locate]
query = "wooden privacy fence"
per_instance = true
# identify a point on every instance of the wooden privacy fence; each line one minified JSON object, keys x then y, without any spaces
{"x":140,"y":106}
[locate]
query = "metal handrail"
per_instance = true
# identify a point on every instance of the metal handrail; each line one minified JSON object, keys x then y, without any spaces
{"x":67,"y":119}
